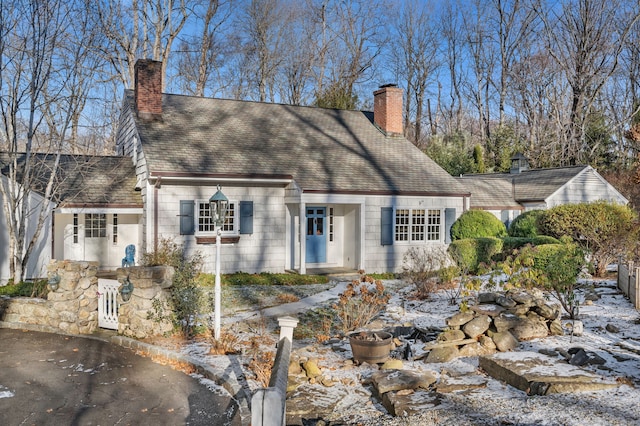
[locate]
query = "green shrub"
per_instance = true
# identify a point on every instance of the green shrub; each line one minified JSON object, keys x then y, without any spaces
{"x":526,"y":224}
{"x":604,"y":230}
{"x":544,"y":239}
{"x":544,"y":254}
{"x":550,"y":267}
{"x":514,"y":243}
{"x":470,"y":253}
{"x":187,"y":298}
{"x":36,"y":288}
{"x":263,"y":278}
{"x":477,"y":224}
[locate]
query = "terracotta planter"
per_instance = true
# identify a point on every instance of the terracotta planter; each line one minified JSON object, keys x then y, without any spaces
{"x":370,"y":346}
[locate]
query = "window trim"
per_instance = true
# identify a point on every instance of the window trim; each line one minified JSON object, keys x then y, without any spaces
{"x":414,"y":225}
{"x":233,"y":208}
{"x":95,"y":225}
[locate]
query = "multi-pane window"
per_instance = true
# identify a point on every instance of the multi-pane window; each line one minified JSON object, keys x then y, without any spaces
{"x":330,"y":223}
{"x":95,"y":225}
{"x":75,"y":228}
{"x":115,"y":228}
{"x":434,"y":218}
{"x":402,"y":224}
{"x":417,"y":225}
{"x":205,"y":224}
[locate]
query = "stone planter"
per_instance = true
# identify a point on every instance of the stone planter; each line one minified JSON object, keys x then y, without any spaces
{"x":370,"y":346}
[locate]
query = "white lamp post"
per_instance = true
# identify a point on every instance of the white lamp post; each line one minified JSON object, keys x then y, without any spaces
{"x":218,"y":205}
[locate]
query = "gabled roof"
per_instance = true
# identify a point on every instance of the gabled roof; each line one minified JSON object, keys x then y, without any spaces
{"x":322,"y":150}
{"x":509,"y":189}
{"x":491,"y":194}
{"x":84,"y":180}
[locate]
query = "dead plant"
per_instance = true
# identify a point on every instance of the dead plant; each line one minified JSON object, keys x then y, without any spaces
{"x":420,"y":268}
{"x":227,"y":344}
{"x":262,"y":360}
{"x":360,"y":304}
{"x":287,"y":298}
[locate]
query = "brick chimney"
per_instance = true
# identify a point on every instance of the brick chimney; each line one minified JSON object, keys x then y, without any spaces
{"x":387,"y":109}
{"x":148,"y":88}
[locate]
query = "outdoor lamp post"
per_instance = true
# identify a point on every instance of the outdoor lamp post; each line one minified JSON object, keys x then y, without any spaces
{"x":218,"y":205}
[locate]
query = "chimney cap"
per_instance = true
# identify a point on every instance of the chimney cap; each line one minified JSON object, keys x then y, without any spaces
{"x":384,"y":86}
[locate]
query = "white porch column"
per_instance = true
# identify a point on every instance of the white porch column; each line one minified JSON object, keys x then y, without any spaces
{"x":303,"y":237}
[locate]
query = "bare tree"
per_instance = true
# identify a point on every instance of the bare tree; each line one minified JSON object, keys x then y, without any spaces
{"x":38,"y":80}
{"x":358,"y":38}
{"x":146,"y":28}
{"x":202,"y":56}
{"x":451,"y":30}
{"x":415,"y":45}
{"x":265,"y":23}
{"x":515,"y":25}
{"x":586,"y":39}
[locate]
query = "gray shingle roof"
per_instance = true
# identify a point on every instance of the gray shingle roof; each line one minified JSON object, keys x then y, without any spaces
{"x":86,"y":180}
{"x":490,"y":193}
{"x":323,"y":150}
{"x":508,"y":190}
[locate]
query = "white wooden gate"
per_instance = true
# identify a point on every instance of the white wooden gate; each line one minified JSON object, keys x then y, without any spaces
{"x":108,"y":303}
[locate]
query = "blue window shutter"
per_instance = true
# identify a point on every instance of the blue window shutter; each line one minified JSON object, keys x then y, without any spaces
{"x":246,"y":217}
{"x":449,"y":218}
{"x":187,"y":219}
{"x":386,"y":226}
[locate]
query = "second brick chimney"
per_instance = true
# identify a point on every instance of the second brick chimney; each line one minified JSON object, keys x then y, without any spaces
{"x":148,"y":88}
{"x":387,"y":109}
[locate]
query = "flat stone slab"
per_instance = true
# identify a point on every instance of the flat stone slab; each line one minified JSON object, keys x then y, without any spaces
{"x":416,"y":402}
{"x":312,"y":401}
{"x":538,"y":374}
{"x":461,"y":383}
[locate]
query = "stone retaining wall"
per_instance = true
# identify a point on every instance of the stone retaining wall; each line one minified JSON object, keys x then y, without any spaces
{"x":149,"y":284}
{"x":73,"y":307}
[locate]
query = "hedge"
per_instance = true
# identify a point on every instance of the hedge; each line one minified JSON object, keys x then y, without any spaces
{"x":514,"y":243}
{"x":477,"y":224}
{"x":469,"y":253}
{"x":526,"y":224}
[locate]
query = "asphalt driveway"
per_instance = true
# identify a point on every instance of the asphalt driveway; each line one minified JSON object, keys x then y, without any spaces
{"x":50,"y":379}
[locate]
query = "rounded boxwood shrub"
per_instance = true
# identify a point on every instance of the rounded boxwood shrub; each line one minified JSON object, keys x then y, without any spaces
{"x":526,"y":224}
{"x":477,"y":224}
{"x":513,"y":243}
{"x":470,"y":253}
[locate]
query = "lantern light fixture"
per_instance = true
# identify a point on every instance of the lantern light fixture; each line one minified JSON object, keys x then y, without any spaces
{"x":126,"y":289}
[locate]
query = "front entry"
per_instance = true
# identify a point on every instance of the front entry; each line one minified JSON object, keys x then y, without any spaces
{"x":316,"y":235}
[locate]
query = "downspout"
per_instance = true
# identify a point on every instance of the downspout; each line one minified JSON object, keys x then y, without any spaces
{"x":303,"y":238}
{"x":53,"y":234}
{"x":157,"y":185}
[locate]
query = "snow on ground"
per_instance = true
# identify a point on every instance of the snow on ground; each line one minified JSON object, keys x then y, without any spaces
{"x":494,"y":403}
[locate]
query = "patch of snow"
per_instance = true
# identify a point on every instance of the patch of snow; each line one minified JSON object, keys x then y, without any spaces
{"x":6,"y":393}
{"x":495,"y":403}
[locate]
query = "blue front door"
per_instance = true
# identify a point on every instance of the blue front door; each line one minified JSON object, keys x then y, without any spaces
{"x":316,"y":235}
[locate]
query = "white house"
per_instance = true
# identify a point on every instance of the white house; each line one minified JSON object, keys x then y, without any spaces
{"x":36,"y":267}
{"x":506,"y":195}
{"x":308,"y":187}
{"x":93,"y":214}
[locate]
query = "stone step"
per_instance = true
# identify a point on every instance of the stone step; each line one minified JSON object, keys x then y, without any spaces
{"x":538,"y":374}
